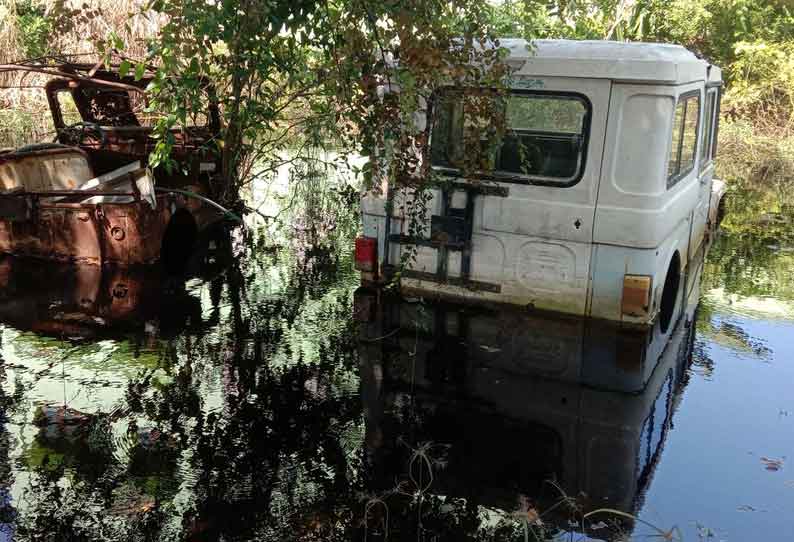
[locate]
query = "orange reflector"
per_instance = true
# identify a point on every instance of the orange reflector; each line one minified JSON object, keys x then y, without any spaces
{"x":636,"y":295}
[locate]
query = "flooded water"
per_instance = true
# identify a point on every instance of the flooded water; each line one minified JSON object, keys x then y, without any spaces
{"x":270,"y":399}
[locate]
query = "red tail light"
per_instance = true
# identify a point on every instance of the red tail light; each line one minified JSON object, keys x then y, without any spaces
{"x":366,"y":254}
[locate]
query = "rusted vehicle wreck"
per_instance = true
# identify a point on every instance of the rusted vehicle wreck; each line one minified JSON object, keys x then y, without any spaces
{"x":89,"y":196}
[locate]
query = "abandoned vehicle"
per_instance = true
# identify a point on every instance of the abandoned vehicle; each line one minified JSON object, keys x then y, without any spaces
{"x":602,"y":189}
{"x":89,"y":196}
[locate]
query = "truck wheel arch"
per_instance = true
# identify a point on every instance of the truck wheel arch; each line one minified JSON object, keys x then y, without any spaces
{"x":670,"y":290}
{"x":178,"y":241}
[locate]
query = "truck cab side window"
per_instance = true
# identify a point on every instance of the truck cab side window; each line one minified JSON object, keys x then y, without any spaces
{"x":69,"y":112}
{"x":716,"y":129}
{"x":683,"y":144}
{"x":708,"y":146}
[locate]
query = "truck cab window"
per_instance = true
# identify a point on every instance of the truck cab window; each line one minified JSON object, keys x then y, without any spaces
{"x":69,"y":112}
{"x":544,"y":136}
{"x":684,"y":138}
{"x":709,"y":129}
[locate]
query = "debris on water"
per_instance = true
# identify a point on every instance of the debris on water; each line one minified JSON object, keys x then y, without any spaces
{"x":60,"y":415}
{"x":61,"y":422}
{"x":773,"y":465}
{"x":131,"y":502}
{"x":79,"y":318}
{"x":704,"y":532}
{"x":154,"y":439}
{"x":533,"y":517}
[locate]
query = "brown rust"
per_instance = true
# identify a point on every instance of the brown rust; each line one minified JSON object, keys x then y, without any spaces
{"x":79,"y":300}
{"x":106,"y":233}
{"x":45,"y":214}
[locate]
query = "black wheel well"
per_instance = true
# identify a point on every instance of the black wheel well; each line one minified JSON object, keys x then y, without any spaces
{"x":178,"y":241}
{"x":672,"y":283}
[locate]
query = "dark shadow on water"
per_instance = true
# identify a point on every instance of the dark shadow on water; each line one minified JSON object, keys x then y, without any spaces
{"x":87,"y":301}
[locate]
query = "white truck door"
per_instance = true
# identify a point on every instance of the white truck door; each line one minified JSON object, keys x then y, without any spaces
{"x":522,"y":233}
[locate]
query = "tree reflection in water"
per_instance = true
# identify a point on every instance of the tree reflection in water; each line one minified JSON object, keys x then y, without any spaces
{"x":250,"y":405}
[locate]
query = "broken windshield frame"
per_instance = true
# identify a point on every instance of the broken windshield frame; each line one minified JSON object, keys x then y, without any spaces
{"x":111,"y":107}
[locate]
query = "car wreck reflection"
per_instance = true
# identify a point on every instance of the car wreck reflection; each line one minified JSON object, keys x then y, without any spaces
{"x":549,"y":421}
{"x":85,"y":301}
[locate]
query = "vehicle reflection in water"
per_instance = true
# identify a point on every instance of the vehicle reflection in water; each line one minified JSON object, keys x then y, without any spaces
{"x":90,"y":301}
{"x":552,"y":418}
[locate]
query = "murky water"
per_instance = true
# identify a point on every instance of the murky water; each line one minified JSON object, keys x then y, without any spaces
{"x":267,"y":400}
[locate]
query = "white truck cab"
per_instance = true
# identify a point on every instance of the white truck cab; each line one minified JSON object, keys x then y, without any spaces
{"x":601,"y":193}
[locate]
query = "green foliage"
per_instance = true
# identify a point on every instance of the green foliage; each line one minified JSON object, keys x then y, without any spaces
{"x":750,"y":157}
{"x":753,"y":255}
{"x":753,"y":42}
{"x":763,"y":85}
{"x":19,"y":127}
{"x":34,"y":28}
{"x":249,"y":57}
{"x":291,"y":76}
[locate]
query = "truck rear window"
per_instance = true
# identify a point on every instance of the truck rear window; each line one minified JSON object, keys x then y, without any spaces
{"x":544,"y":139}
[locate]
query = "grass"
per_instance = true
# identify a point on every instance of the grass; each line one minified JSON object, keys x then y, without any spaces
{"x":755,"y":155}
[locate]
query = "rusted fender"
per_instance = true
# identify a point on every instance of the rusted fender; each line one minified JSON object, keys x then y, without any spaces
{"x":105,"y":233}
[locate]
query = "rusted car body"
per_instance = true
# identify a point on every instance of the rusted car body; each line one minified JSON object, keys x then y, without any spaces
{"x":88,"y":197}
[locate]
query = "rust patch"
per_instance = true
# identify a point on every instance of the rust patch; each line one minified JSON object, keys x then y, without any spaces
{"x":107,"y":233}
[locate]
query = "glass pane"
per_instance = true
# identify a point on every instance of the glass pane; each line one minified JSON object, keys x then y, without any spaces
{"x":546,"y":114}
{"x":675,"y":144}
{"x":107,"y":107}
{"x":69,"y":112}
{"x":708,"y":121}
{"x":689,"y":146}
{"x":543,"y":135}
{"x":715,"y":128}
{"x":197,"y":116}
{"x":445,"y":143}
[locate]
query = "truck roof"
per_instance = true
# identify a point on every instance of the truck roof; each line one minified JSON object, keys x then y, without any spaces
{"x":660,"y":63}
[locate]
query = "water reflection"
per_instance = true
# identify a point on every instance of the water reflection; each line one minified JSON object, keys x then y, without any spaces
{"x":90,"y":301}
{"x":223,"y":406}
{"x":515,"y":416}
{"x":251,"y":402}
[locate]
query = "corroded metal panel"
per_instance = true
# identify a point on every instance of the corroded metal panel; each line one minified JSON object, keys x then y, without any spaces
{"x":108,"y":233}
{"x":45,"y":212}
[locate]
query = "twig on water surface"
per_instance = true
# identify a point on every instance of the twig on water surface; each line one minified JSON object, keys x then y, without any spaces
{"x":673,"y":534}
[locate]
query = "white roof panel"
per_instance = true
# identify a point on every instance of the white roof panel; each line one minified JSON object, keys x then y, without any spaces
{"x":625,"y":61}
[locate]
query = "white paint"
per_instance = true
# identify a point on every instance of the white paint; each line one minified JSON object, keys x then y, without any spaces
{"x":618,"y":61}
{"x":567,"y":249}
